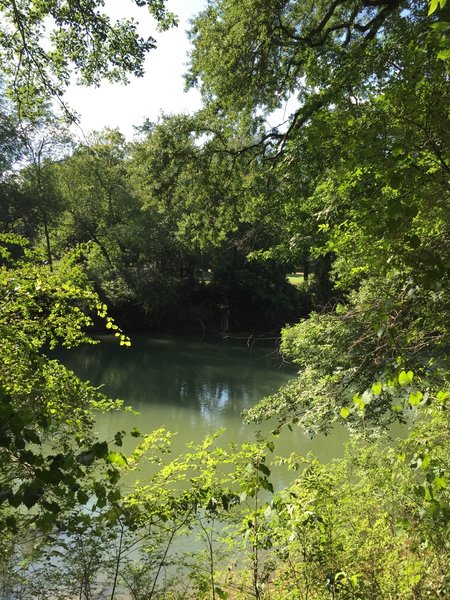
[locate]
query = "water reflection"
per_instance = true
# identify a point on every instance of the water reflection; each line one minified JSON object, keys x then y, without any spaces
{"x":211,"y":377}
{"x":193,"y":387}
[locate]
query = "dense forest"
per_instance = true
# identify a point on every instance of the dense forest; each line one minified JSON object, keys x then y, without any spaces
{"x":195,"y":224}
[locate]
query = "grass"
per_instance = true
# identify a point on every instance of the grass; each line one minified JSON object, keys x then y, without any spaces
{"x":295,"y":278}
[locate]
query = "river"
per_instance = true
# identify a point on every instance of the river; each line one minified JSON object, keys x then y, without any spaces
{"x":193,"y":386}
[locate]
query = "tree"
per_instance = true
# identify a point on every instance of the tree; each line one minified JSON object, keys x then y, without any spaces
{"x":253,"y":56}
{"x":47,"y":444}
{"x":13,"y":203}
{"x":131,"y":253}
{"x":210,"y":199}
{"x":360,"y":174}
{"x":81,"y":38}
{"x":46,"y":141}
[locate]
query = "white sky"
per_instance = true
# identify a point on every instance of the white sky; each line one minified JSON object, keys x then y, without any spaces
{"x":161,"y":88}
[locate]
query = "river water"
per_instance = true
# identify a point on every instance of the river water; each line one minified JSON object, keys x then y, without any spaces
{"x":193,"y":386}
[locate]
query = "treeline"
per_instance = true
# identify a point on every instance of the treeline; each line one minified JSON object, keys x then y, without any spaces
{"x":169,"y":224}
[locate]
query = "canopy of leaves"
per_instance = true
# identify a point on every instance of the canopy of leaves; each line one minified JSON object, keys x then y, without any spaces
{"x":43,"y":41}
{"x":46,"y":431}
{"x":359,"y":175}
{"x":356,"y":182}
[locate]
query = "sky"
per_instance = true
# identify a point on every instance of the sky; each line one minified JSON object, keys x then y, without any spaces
{"x":161,"y":88}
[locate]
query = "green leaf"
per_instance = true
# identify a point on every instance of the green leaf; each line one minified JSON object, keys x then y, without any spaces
{"x":99,"y":489}
{"x":114,"y":495}
{"x":439,"y":483}
{"x":444,"y":54}
{"x":46,"y":522}
{"x":397,"y":151}
{"x":415,"y":398}
{"x":100,"y":449}
{"x":113,"y":476}
{"x":266,"y":485}
{"x":4,"y":494}
{"x":101,"y":502}
{"x":15,"y":499}
{"x":51,"y":475}
{"x":116,"y":459}
{"x":82,"y":497}
{"x":86,"y":458}
{"x":31,"y":495}
{"x":410,"y":212}
{"x":11,"y":523}
{"x":377,"y":388}
{"x":344,"y":412}
{"x":405,"y":378}
{"x":53,"y":507}
{"x":424,"y":462}
{"x":263,"y":468}
{"x":31,"y":436}
{"x":414,"y":242}
{"x":427,"y":493}
{"x":221,"y":593}
{"x":433,"y":4}
{"x":440,"y":27}
{"x":359,"y":402}
{"x":442,"y":396}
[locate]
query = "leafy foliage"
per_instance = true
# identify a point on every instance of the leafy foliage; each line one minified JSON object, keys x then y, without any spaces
{"x":81,"y":37}
{"x":47,"y":443}
{"x":353,"y":185}
{"x":359,"y":176}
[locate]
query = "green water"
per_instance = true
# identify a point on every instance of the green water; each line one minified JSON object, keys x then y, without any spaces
{"x":193,"y":386}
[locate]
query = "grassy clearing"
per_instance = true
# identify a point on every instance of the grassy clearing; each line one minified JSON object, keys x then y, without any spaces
{"x":296,"y":278}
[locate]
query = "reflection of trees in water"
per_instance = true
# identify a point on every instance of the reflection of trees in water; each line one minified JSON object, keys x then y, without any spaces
{"x":212,"y":378}
{"x":192,"y":389}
